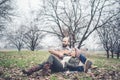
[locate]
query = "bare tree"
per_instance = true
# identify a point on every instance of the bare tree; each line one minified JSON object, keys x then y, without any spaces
{"x":33,"y":36}
{"x":110,"y":37}
{"x":104,"y":34}
{"x":16,"y":38}
{"x":5,"y":8}
{"x":69,"y":14}
{"x":117,"y":49}
{"x":117,"y":37}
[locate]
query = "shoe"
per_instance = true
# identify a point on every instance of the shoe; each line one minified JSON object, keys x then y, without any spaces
{"x":94,"y":67}
{"x":31,"y":70}
{"x":46,"y":69}
{"x":87,"y":66}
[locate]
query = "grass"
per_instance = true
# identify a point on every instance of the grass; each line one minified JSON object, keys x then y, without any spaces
{"x":53,"y":77}
{"x":22,"y":59}
{"x":100,"y":60}
{"x":26,"y":59}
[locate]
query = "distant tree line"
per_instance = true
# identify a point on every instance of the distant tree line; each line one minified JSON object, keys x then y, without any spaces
{"x":110,"y":36}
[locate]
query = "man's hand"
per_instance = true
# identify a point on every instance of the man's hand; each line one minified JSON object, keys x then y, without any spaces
{"x":73,"y":53}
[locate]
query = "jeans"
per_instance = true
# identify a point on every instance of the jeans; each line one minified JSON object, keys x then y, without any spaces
{"x":82,"y":58}
{"x":78,"y":68}
{"x":56,"y":65}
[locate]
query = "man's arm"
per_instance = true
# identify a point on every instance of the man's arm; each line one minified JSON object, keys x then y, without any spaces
{"x":57,"y":53}
{"x":60,"y":53}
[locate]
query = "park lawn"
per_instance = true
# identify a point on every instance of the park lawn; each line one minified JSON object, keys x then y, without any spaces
{"x":25,"y":59}
{"x":99,"y":59}
{"x":22,"y":59}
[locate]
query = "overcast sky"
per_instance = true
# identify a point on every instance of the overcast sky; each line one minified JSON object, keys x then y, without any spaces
{"x":23,"y":9}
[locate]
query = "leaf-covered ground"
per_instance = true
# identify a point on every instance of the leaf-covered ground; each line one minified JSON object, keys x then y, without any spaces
{"x":12,"y":62}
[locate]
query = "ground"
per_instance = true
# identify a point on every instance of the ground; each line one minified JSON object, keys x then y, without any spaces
{"x":12,"y":62}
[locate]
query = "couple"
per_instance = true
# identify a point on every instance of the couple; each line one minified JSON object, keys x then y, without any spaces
{"x":62,"y":60}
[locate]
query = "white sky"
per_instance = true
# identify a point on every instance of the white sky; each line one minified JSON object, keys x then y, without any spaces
{"x":25,"y":5}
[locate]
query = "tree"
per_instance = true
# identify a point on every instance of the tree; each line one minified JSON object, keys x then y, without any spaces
{"x":117,"y":37}
{"x":16,"y":37}
{"x":5,"y":8}
{"x":105,"y":38}
{"x":70,"y":15}
{"x":33,"y":36}
{"x":110,"y":37}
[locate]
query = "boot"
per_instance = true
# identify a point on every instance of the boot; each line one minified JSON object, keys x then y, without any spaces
{"x":87,"y":66}
{"x":31,"y":70}
{"x":46,"y":69}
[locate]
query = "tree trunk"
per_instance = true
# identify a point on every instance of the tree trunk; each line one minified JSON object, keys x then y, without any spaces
{"x":32,"y":48}
{"x":112,"y":54}
{"x":107,"y":54}
{"x":19,"y":49}
{"x":118,"y":54}
{"x":79,"y":45}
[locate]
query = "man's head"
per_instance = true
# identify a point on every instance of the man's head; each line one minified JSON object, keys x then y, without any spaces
{"x":65,"y":41}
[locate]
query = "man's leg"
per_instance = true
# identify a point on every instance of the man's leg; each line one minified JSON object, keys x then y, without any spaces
{"x":33,"y":69}
{"x":56,"y":65}
{"x":53,"y":62}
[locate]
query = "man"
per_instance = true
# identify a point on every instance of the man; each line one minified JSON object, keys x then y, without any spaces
{"x":54,"y":61}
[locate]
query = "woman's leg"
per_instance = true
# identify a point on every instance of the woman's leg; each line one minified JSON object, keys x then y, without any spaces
{"x":82,"y":58}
